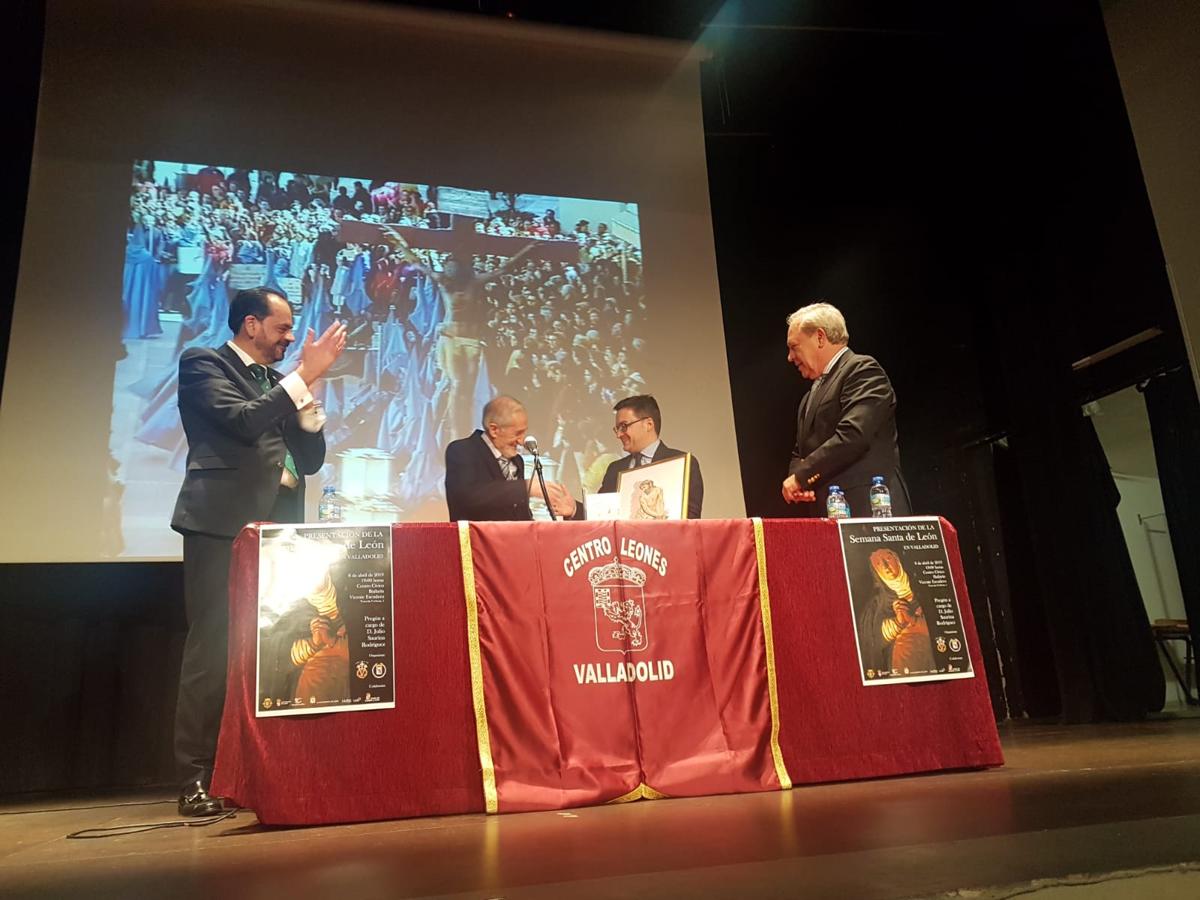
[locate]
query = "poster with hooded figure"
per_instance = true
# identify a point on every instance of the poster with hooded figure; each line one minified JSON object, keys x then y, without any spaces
{"x":324,"y":619}
{"x":907,"y":619}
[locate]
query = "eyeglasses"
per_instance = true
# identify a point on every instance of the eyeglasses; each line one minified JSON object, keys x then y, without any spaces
{"x":622,"y":427}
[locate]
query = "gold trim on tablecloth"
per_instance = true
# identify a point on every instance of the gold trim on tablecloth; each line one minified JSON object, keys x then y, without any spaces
{"x":642,"y":792}
{"x":490,"y":799}
{"x":764,"y":599}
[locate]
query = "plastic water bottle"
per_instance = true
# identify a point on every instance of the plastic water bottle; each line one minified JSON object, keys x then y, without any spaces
{"x":881,"y":499}
{"x":837,"y":506}
{"x":330,"y":507}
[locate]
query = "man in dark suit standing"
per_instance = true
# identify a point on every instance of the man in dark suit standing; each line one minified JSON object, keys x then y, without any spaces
{"x":638,"y":424}
{"x":846,"y":423}
{"x":485,"y":475}
{"x":253,"y":435}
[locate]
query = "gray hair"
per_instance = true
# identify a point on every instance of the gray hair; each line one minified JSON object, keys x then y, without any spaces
{"x":824,"y":316}
{"x":501,"y":410}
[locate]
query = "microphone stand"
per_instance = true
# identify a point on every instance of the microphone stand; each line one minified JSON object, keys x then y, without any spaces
{"x":537,"y":469}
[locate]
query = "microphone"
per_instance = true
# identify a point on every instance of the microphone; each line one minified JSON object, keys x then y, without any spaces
{"x":531,"y":447}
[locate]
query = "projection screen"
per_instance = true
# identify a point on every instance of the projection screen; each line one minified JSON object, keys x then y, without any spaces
{"x":185,"y":150}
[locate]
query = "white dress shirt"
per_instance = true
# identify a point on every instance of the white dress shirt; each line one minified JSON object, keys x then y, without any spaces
{"x":507,"y":466}
{"x":311,"y":414}
{"x":829,"y":365}
{"x":645,"y":456}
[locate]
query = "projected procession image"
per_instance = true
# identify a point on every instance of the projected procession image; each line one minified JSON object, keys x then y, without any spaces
{"x":554,"y":315}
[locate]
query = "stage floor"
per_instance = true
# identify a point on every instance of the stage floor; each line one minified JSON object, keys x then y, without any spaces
{"x":1072,"y":799}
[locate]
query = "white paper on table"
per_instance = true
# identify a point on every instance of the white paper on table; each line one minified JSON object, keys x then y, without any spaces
{"x":599,"y":507}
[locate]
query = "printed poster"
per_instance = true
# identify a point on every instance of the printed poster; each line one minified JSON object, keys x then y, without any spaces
{"x":907,"y":618}
{"x":324,"y":619}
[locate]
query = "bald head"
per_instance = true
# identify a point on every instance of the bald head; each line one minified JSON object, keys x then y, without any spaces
{"x":501,"y":410}
{"x":505,"y":422}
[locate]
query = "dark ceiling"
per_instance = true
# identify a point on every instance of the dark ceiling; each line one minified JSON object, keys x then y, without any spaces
{"x":686,"y":19}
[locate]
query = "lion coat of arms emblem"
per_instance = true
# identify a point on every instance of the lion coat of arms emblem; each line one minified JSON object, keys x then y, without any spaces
{"x":619,"y":607}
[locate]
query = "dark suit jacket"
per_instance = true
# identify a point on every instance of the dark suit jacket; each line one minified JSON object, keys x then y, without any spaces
{"x":476,"y":489}
{"x":846,"y":434}
{"x":695,"y":482}
{"x":237,"y":440}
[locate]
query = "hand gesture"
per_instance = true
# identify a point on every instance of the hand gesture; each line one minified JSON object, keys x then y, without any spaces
{"x":560,"y":500}
{"x":793,"y":493}
{"x":322,"y":633}
{"x":318,"y":354}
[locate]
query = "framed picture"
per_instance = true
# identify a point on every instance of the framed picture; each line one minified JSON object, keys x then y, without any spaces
{"x":657,"y":491}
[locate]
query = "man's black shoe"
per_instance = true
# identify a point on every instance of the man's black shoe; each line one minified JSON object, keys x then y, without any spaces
{"x":195,"y":800}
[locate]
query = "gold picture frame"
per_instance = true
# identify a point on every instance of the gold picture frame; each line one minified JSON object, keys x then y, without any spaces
{"x":658,"y":491}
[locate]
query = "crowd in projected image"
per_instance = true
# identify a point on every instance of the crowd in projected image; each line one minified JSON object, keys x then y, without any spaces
{"x":452,"y":295}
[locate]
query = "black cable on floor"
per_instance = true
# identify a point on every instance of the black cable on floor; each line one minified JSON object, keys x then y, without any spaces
{"x":122,"y":830}
{"x":59,"y":809}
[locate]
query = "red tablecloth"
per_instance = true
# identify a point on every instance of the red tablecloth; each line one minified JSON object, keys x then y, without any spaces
{"x":422,"y":758}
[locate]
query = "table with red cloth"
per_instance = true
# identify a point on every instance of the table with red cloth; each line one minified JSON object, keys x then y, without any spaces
{"x":763,"y":689}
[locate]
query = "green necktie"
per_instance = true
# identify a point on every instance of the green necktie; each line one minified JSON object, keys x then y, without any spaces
{"x":264,"y":384}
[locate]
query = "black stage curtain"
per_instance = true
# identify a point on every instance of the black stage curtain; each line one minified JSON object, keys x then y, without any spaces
{"x":1175,"y":427}
{"x":1132,"y":681}
{"x":1098,"y":631}
{"x":1104,"y":655}
{"x":91,"y":670}
{"x":1049,"y":266}
{"x":1032,"y":666}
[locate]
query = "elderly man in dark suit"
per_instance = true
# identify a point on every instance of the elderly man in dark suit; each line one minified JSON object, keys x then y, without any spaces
{"x":846,"y":423}
{"x":253,"y":435}
{"x":485,"y":475}
{"x":638,"y":423}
